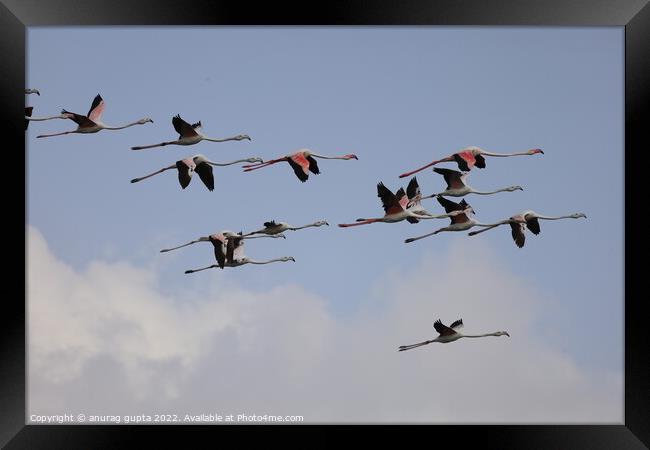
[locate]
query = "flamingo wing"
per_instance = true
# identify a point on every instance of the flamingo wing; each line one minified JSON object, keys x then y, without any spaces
{"x":300,"y":166}
{"x":452,"y":177}
{"x":96,"y":109}
{"x":79,"y":119}
{"x":453,"y":206}
{"x":480,"y":161}
{"x":205,"y":173}
{"x":389,"y":201}
{"x":443,"y":330}
{"x":457,"y":324}
{"x":218,"y":241}
{"x":232,"y":245}
{"x":313,"y":165}
{"x":28,"y":113}
{"x":185,"y":168}
{"x":413,"y":189}
{"x":532,"y":223}
{"x":402,"y":198}
{"x":465,"y":160}
{"x":518,"y":233}
{"x":270,"y":224}
{"x":183,"y":128}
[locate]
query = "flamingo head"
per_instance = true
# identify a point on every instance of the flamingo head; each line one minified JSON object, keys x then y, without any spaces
{"x":578,"y":215}
{"x":145,"y":120}
{"x":514,"y":188}
{"x":535,"y":151}
{"x":255,"y":159}
{"x":320,"y":223}
{"x":241,"y":137}
{"x":501,"y":333}
{"x":287,"y":258}
{"x":350,"y":156}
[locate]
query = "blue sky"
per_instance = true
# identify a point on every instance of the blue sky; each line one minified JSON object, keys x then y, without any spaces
{"x":397,"y":97}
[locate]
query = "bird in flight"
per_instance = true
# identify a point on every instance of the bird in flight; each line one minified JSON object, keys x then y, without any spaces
{"x":301,"y":161}
{"x":396,"y":207}
{"x":190,"y":135}
{"x":272,"y":227}
{"x":526,"y":220}
{"x":456,"y":186}
{"x":450,"y":333}
{"x":470,"y":157}
{"x":90,"y":123}
{"x":199,"y":164}
{"x":234,"y":256}
{"x":219,"y":241}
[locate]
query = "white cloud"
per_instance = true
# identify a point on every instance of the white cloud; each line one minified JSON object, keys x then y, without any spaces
{"x":108,"y":331}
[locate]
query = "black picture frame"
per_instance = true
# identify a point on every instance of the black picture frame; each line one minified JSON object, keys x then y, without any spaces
{"x":634,"y":15}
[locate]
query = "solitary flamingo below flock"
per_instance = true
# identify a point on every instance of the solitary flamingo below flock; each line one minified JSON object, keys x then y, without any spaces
{"x":526,"y":220}
{"x":273,"y":228}
{"x":220,"y":240}
{"x":190,"y":135}
{"x":457,"y":187}
{"x":449,"y":334}
{"x":90,"y":123}
{"x":301,"y":161}
{"x":199,"y":164}
{"x":396,"y":207}
{"x":470,"y":157}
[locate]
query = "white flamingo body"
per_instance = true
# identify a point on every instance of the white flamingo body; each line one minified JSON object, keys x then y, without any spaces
{"x":91,"y":123}
{"x":190,"y":135}
{"x":449,"y":334}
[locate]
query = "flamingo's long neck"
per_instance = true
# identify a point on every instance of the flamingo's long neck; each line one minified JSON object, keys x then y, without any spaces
{"x":304,"y":226}
{"x":135,"y":180}
{"x":228,"y":163}
{"x":554,"y":217}
{"x":479,"y":335}
{"x":471,"y":190}
{"x":316,"y":155}
{"x":361,"y":222}
{"x":250,"y":261}
{"x":122,"y":127}
{"x":504,"y":154}
{"x":234,"y":138}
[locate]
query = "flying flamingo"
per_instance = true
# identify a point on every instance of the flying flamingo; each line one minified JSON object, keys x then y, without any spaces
{"x":272,"y":227}
{"x":199,"y":164}
{"x":301,"y":161}
{"x":28,"y":113}
{"x":449,"y":334}
{"x":396,"y":208}
{"x":235,"y":256}
{"x":460,"y":221}
{"x":190,"y":135}
{"x":220,"y":238}
{"x":456,"y":186}
{"x":90,"y":123}
{"x":32,"y":91}
{"x":470,"y":157}
{"x":527,"y":219}
{"x":413,"y":204}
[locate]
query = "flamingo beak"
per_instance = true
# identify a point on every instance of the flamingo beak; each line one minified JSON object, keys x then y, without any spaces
{"x":506,"y":333}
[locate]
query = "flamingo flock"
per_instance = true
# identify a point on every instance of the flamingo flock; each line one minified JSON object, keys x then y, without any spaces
{"x":399,"y":205}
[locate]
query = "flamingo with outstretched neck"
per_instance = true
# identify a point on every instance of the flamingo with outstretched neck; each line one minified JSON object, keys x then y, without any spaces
{"x":199,"y":164}
{"x":90,"y":123}
{"x":470,"y":157}
{"x":301,"y":161}
{"x":447,"y":334}
{"x":457,"y":187}
{"x":190,"y":135}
